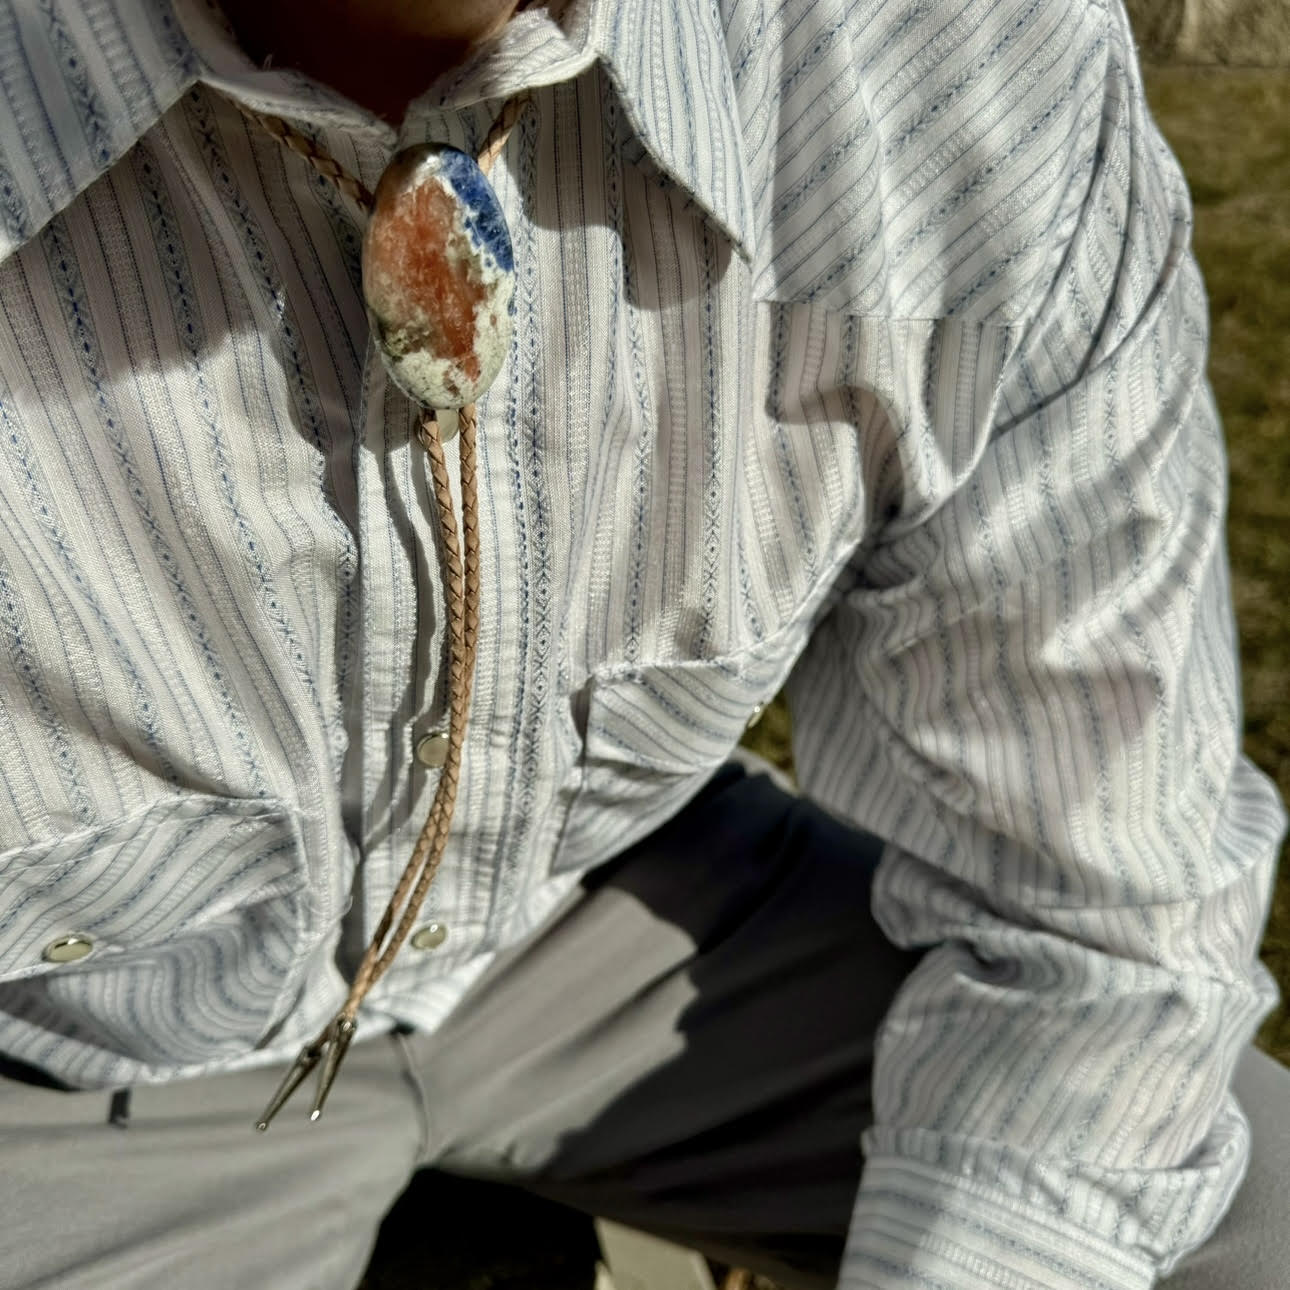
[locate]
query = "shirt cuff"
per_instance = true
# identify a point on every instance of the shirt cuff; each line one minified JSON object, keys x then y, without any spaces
{"x":915,"y":1225}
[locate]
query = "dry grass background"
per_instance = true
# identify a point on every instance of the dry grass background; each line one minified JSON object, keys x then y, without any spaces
{"x":1231,"y":130}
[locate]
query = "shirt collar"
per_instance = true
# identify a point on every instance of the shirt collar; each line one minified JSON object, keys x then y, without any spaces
{"x":83,"y":81}
{"x":668,"y":63}
{"x":93,"y":76}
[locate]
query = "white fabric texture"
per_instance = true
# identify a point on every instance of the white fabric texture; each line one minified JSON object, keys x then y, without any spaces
{"x":860,"y":342}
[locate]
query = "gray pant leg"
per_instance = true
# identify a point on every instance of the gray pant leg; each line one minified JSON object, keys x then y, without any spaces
{"x":687,"y":1047}
{"x":1250,"y":1250}
{"x":189,"y":1195}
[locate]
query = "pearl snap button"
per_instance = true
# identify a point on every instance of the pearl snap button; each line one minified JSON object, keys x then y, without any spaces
{"x":67,"y":949}
{"x":432,"y":749}
{"x":429,"y":937}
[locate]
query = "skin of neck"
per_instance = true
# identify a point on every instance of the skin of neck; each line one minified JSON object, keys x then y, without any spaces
{"x":380,"y":53}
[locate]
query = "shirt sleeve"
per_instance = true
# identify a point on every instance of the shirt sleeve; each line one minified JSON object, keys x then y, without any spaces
{"x":1031,"y":689}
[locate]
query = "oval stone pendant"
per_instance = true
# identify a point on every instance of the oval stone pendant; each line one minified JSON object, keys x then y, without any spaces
{"x":438,"y":276}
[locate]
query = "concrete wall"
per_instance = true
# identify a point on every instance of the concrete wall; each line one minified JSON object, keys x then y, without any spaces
{"x":1249,"y":32}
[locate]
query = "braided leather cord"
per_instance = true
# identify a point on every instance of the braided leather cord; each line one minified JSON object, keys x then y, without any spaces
{"x":330,"y":169}
{"x":461,"y":588}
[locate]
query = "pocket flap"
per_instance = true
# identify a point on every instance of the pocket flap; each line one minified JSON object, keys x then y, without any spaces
{"x":675,"y":720}
{"x":200,"y":925}
{"x":143,"y":880}
{"x":654,"y":736}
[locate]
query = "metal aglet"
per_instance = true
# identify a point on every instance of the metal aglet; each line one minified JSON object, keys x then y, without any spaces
{"x":337,"y":1045}
{"x":307,"y":1059}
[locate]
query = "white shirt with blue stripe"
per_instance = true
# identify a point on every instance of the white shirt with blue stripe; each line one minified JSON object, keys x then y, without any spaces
{"x":858,"y":347}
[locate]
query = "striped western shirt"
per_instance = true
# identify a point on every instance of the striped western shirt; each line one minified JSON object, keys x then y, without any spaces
{"x":859,"y":348}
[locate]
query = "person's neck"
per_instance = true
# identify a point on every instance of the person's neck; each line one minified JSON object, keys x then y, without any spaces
{"x":380,"y":53}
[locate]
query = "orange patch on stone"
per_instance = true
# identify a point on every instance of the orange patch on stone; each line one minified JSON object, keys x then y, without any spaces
{"x":422,"y":261}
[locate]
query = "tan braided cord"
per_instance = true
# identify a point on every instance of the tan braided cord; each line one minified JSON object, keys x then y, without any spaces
{"x":461,"y":594}
{"x":287,"y":135}
{"x":330,"y":169}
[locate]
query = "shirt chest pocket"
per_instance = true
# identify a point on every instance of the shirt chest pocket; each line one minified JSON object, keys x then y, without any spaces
{"x":173,"y":938}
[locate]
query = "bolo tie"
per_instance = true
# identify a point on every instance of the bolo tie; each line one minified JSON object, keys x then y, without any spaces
{"x":438,"y":276}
